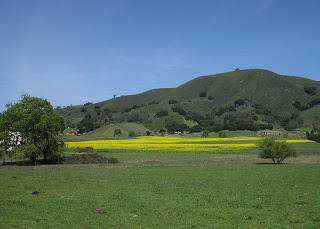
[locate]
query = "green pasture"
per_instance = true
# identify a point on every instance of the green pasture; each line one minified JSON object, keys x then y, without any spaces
{"x":150,"y":190}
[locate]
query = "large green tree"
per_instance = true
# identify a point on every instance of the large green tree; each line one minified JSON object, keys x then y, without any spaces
{"x":30,"y":129}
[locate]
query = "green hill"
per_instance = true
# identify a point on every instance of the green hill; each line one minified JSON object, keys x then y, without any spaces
{"x":260,"y":94}
{"x":107,"y":131}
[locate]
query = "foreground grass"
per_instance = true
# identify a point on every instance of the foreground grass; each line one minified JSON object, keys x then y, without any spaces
{"x":163,"y":191}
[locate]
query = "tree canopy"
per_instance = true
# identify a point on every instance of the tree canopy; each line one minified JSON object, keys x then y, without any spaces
{"x":30,"y":129}
{"x":277,"y":151}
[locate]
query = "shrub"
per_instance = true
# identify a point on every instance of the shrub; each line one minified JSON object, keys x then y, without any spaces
{"x":161,"y":113}
{"x":148,"y":133}
{"x":179,"y":110}
{"x":310,"y":90}
{"x":203,"y":94}
{"x":222,"y":134}
{"x":117,"y":132}
{"x":173,"y":101}
{"x":132,"y":134}
{"x":239,"y":102}
{"x":196,"y":129}
{"x":277,"y":151}
{"x":162,"y":132}
{"x":205,"y":134}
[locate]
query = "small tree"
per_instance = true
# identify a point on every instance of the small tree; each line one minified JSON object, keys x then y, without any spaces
{"x":222,"y":134}
{"x":117,"y":132}
{"x":173,"y":101}
{"x":203,"y":94}
{"x":205,"y":134}
{"x":132,"y":134}
{"x":239,"y":102}
{"x":162,"y":132}
{"x":277,"y":151}
{"x":148,"y":133}
{"x":161,"y":113}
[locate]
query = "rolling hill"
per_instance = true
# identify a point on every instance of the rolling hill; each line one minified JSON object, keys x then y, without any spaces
{"x":272,"y":98}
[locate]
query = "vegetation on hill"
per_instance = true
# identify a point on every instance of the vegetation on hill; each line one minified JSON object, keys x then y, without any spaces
{"x":252,"y":99}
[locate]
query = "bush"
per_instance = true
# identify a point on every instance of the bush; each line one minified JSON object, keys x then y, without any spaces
{"x":196,"y":129}
{"x":205,"y":134}
{"x":310,"y":90}
{"x":117,"y":132}
{"x":173,"y":101}
{"x":203,"y":94}
{"x":132,"y":134}
{"x":179,"y":110}
{"x":162,"y":132}
{"x":239,"y":102}
{"x":161,"y":113}
{"x":277,"y":151}
{"x":222,"y":134}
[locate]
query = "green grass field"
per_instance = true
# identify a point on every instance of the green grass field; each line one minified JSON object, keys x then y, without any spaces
{"x":150,"y":190}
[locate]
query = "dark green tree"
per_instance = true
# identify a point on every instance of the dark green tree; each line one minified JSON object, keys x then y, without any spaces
{"x":203,"y":94}
{"x":30,"y":128}
{"x":162,"y":132}
{"x":132,"y":134}
{"x":117,"y":132}
{"x":173,"y":101}
{"x":205,"y":134}
{"x":310,"y":90}
{"x":239,"y":102}
{"x":161,"y":113}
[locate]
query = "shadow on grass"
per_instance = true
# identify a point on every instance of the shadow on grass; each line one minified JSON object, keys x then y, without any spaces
{"x":74,"y":159}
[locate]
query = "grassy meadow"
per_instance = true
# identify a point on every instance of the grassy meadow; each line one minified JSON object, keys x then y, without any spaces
{"x":165,"y":190}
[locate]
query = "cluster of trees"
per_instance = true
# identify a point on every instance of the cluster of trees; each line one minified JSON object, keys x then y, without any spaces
{"x":315,"y":133}
{"x":232,"y":122}
{"x":87,"y":124}
{"x":161,"y":113}
{"x":310,"y":90}
{"x":309,"y":105}
{"x":173,"y":126}
{"x":179,"y":110}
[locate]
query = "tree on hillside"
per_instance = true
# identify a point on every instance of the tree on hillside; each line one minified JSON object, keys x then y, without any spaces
{"x":161,"y":113}
{"x":239,"y":102}
{"x":30,"y":128}
{"x":203,"y":94}
{"x":310,"y":90}
{"x":117,"y":132}
{"x":162,"y":132}
{"x":270,"y":148}
{"x":132,"y":134}
{"x":173,"y":101}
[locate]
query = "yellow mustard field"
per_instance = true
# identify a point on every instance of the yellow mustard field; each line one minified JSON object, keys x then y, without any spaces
{"x":176,"y":144}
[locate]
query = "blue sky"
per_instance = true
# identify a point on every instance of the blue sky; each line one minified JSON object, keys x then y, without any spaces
{"x":78,"y":51}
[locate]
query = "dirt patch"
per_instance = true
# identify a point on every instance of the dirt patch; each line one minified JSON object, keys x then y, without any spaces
{"x":88,"y":159}
{"x":99,"y":211}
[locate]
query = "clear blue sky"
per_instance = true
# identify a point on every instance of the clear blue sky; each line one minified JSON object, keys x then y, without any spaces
{"x":78,"y":51}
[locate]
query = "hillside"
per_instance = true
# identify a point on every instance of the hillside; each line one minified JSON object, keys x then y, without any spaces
{"x":260,"y":94}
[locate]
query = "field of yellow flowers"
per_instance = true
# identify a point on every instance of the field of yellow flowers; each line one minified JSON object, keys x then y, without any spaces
{"x":176,"y":144}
